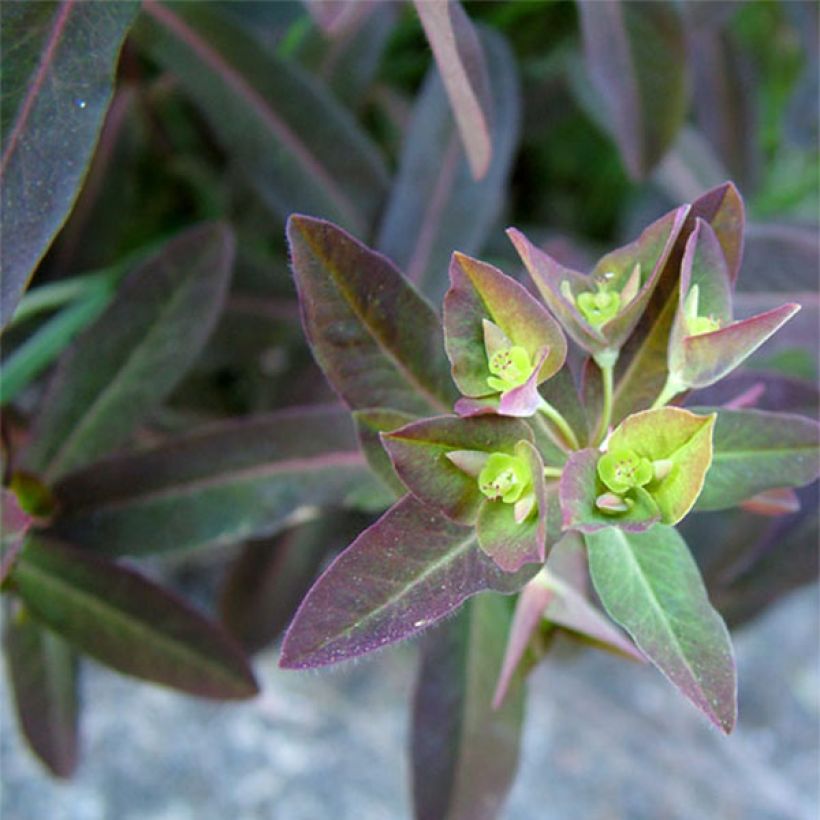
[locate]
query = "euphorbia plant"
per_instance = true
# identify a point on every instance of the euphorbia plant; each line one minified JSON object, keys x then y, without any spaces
{"x":536,"y":478}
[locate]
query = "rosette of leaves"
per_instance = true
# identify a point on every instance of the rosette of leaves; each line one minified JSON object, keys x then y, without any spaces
{"x":512,"y":494}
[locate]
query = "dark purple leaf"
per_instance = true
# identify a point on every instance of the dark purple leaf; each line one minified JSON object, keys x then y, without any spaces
{"x":636,"y":59}
{"x":649,"y":583}
{"x":465,"y":752}
{"x":369,"y":426}
{"x":270,"y":577}
{"x":463,"y":70}
{"x":119,"y":617}
{"x":43,"y":672}
{"x":300,"y":149}
{"x":435,"y":206}
{"x":152,"y":333}
{"x":409,"y":570}
{"x":379,"y":343}
{"x":224,"y":483}
{"x":58,"y":70}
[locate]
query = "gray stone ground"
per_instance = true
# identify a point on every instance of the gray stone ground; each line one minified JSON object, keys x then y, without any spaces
{"x":606,"y":740}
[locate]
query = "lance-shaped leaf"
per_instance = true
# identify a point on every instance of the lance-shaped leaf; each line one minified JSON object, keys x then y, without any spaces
{"x":510,"y":540}
{"x":119,"y":617}
{"x":299,"y":148}
{"x":435,"y":205}
{"x":636,"y":56}
{"x":559,"y":594}
{"x":465,"y":752}
{"x":59,"y":61}
{"x":460,"y":60}
{"x":642,"y":365}
{"x":755,"y":451}
{"x":409,"y":570}
{"x":705,"y":345}
{"x":625,"y":278}
{"x":479,"y":293}
{"x":580,"y":490}
{"x":43,"y":673}
{"x":377,"y":340}
{"x":650,"y":584}
{"x":152,"y":333}
{"x":14,"y":524}
{"x":229,"y":481}
{"x":370,"y":424}
{"x":270,"y":577}
{"x":419,"y":452}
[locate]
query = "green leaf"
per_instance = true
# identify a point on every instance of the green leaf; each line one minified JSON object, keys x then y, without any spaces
{"x":377,"y":340}
{"x":126,"y":621}
{"x":464,"y":751}
{"x":123,"y":366}
{"x":755,"y":451}
{"x":43,"y":672}
{"x":407,"y":571}
{"x":59,"y":61}
{"x":300,"y":149}
{"x":435,"y":205}
{"x":227,"y":482}
{"x":636,"y":58}
{"x":675,"y":435}
{"x":457,"y":50}
{"x":650,"y":584}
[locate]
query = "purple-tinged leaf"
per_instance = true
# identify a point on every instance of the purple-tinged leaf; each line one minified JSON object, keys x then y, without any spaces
{"x":559,"y":594}
{"x":435,"y":205}
{"x":509,"y":542}
{"x":419,"y":455}
{"x":377,"y":340}
{"x":58,"y":72}
{"x":43,"y":672}
{"x":580,"y":488}
{"x":642,"y":366}
{"x":465,"y":752}
{"x":480,"y":292}
{"x":409,"y":570}
{"x":678,"y":436}
{"x":636,"y":58}
{"x":269,"y":578}
{"x":650,"y":584}
{"x":15,"y":522}
{"x":370,"y":424}
{"x":650,"y":252}
{"x":299,"y":148}
{"x":122,"y":619}
{"x":463,"y":70}
{"x":335,"y":17}
{"x":780,"y":257}
{"x":773,"y":503}
{"x":756,"y":451}
{"x":153,"y":331}
{"x":226,"y":482}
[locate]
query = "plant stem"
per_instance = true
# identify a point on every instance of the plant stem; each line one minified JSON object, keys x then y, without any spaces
{"x":553,"y":472}
{"x":560,"y":422}
{"x":670,"y":390}
{"x":606,"y":409}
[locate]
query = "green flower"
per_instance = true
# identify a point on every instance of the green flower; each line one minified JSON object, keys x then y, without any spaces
{"x":598,"y":308}
{"x":510,"y":367}
{"x":505,"y":477}
{"x":697,"y":325}
{"x":622,"y":470}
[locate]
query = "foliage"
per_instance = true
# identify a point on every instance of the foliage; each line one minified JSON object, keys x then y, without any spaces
{"x":506,"y":459}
